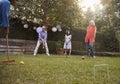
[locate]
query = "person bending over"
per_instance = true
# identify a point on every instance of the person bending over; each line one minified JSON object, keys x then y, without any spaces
{"x":42,"y":39}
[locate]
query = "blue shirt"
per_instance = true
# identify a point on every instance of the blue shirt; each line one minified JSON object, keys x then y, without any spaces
{"x":42,"y":35}
{"x":4,"y":13}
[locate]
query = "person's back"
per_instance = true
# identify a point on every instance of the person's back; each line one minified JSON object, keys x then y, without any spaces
{"x":4,"y":13}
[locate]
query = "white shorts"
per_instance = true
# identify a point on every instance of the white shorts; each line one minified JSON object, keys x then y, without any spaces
{"x":67,"y":46}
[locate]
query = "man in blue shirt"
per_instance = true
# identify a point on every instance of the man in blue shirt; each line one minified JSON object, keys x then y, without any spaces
{"x":4,"y":14}
{"x":42,"y":37}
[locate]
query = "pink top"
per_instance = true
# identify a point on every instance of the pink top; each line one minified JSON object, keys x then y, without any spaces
{"x":90,"y":36}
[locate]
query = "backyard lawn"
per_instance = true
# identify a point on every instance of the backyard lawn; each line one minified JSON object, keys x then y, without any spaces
{"x":58,"y":69}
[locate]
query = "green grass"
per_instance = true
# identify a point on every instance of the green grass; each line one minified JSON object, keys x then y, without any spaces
{"x":58,"y":69}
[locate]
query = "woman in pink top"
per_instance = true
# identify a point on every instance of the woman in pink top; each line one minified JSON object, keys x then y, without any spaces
{"x":90,"y":38}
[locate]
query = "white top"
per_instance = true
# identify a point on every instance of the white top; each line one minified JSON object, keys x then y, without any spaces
{"x":67,"y":43}
{"x":67,"y":38}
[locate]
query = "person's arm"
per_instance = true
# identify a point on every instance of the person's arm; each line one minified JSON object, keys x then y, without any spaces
{"x":95,"y":33}
{"x":71,"y":38}
{"x":65,"y":38}
{"x":45,"y":37}
{"x":40,"y":38}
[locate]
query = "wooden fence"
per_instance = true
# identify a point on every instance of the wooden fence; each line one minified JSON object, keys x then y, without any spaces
{"x":27,"y":46}
{"x":17,"y":46}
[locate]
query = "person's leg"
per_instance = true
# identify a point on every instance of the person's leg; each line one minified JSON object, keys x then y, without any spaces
{"x":65,"y":50}
{"x":69,"y":51}
{"x":91,"y":49}
{"x":69,"y":47}
{"x":7,"y":32}
{"x":36,"y":48}
{"x":88,"y":49}
{"x":46,"y":47}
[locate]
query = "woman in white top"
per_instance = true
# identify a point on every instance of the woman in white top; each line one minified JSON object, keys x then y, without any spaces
{"x":67,"y":43}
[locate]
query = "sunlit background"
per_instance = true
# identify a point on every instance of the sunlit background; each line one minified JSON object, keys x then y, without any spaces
{"x":69,"y":14}
{"x":85,"y":4}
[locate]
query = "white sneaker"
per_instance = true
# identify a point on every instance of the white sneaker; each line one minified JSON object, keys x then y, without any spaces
{"x":48,"y":54}
{"x":34,"y":54}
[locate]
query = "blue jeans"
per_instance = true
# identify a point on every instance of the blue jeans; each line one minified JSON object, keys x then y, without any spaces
{"x":90,"y":49}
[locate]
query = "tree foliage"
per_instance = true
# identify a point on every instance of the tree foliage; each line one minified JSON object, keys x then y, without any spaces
{"x":49,"y":12}
{"x":69,"y":14}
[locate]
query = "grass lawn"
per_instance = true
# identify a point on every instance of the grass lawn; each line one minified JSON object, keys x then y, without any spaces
{"x":58,"y":69}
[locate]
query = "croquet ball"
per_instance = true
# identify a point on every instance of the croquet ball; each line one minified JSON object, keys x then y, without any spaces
{"x":22,"y":62}
{"x":83,"y":57}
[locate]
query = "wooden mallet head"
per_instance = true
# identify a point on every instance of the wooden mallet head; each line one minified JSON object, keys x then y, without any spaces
{"x":7,"y":61}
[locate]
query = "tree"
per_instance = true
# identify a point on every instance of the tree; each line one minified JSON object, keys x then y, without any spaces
{"x":50,"y":12}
